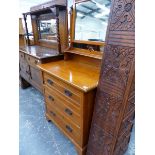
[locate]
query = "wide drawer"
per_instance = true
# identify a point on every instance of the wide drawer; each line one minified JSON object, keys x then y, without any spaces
{"x":32,"y":61}
{"x":66,"y":107}
{"x":63,"y":88}
{"x":71,"y":131}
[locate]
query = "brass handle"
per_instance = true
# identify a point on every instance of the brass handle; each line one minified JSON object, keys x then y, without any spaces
{"x":69,"y":128}
{"x":28,"y":58}
{"x":67,"y":93}
{"x":68,"y":111}
{"x":35,"y":61}
{"x":49,"y":81}
{"x":52,"y":113}
{"x":28,"y":72}
{"x":51,"y":98}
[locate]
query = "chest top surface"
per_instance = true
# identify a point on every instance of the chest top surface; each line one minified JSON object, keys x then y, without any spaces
{"x":79,"y":75}
{"x":39,"y":52}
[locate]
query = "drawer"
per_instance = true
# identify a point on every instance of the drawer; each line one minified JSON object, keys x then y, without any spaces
{"x":66,"y":90}
{"x":67,"y":108}
{"x":32,"y":61}
{"x":64,"y":125}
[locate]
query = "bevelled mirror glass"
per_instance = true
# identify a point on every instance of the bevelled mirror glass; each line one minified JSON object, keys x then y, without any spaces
{"x":47,"y":27}
{"x":91,"y":20}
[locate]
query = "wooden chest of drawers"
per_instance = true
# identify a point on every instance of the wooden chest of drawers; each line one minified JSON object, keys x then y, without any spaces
{"x":68,"y":104}
{"x":29,"y":70}
{"x":29,"y":58}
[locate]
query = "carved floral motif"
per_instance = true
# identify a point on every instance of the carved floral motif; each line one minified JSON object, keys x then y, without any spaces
{"x":123,"y":16}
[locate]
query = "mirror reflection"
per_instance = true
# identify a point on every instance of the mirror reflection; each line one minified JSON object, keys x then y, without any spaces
{"x":91,"y":20}
{"x":47,"y":28}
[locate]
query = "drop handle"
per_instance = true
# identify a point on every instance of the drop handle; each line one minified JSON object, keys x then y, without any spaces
{"x":69,"y":112}
{"x":52,"y":113}
{"x":36,"y":61}
{"x":68,"y":93}
{"x":69,"y":128}
{"x":51,"y":98}
{"x":49,"y":81}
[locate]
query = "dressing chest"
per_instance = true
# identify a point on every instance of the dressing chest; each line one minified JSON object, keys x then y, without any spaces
{"x":70,"y":84}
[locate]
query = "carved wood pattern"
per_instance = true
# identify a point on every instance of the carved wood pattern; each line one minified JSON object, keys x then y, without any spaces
{"x":114,"y":105}
{"x":63,"y":31}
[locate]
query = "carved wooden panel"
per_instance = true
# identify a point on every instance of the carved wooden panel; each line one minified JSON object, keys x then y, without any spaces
{"x":114,"y":105}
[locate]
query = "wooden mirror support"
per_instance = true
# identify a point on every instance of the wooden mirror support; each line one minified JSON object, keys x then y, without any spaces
{"x":22,"y":40}
{"x":39,"y":51}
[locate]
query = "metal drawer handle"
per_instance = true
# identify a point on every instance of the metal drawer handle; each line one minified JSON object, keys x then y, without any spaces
{"x":68,"y":93}
{"x":51,"y":98}
{"x":28,"y":72}
{"x":52,"y":113}
{"x":36,"y":61}
{"x":49,"y":81}
{"x":69,"y":128}
{"x":69,"y":112}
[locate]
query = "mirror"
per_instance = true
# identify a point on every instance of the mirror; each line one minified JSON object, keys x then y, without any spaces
{"x":47,"y":28}
{"x":91,"y":20}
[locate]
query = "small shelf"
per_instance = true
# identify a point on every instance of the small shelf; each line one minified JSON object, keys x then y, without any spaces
{"x":93,"y":54}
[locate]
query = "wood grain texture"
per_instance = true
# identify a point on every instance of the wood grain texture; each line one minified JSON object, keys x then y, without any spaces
{"x":71,"y":113}
{"x":114,"y":105}
{"x":82,"y":76}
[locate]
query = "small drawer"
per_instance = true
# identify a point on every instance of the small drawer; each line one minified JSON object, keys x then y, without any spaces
{"x":66,"y":126}
{"x":65,"y":89}
{"x":68,"y":109}
{"x":32,"y":61}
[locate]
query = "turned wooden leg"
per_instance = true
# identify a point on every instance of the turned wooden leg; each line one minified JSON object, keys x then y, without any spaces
{"x":23,"y":83}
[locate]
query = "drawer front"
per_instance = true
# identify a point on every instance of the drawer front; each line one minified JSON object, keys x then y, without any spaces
{"x":36,"y":75}
{"x":64,"y":106}
{"x":65,"y":89}
{"x":32,"y":61}
{"x":67,"y":127}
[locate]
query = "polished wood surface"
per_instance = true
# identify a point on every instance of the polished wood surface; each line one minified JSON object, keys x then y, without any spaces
{"x":79,"y":75}
{"x":69,"y":107}
{"x":87,"y":53}
{"x":38,"y":51}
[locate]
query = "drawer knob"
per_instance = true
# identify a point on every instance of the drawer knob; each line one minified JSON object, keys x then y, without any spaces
{"x":49,"y":81}
{"x":28,"y":58}
{"x":52,"y":113}
{"x":69,"y":128}
{"x":68,"y":93}
{"x":69,"y":112}
{"x":51,"y":98}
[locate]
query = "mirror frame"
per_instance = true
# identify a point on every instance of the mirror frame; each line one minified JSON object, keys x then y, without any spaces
{"x":43,"y":40}
{"x":73,"y":27}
